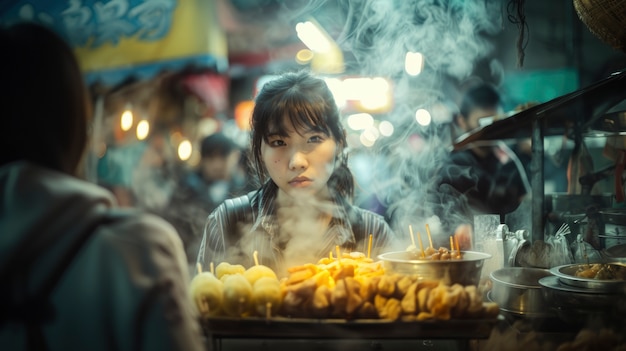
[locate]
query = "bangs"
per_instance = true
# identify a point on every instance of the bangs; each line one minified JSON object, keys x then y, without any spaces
{"x":299,"y":111}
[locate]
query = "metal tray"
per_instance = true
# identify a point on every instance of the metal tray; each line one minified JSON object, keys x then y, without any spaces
{"x":304,"y":328}
{"x":567,"y":275}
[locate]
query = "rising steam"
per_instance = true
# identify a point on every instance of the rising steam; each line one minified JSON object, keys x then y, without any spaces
{"x":453,"y":36}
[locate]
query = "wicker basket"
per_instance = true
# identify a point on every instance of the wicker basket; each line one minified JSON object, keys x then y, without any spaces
{"x":606,"y":19}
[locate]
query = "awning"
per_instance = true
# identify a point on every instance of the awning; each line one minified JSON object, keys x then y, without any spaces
{"x":117,"y":39}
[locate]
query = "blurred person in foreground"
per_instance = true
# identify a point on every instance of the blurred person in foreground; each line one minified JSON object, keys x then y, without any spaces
{"x":77,"y":273}
{"x":303,"y":208}
{"x":486,"y":176}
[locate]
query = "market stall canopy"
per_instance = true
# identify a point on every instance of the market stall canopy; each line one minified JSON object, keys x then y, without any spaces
{"x":121,"y":38}
{"x":579,"y":110}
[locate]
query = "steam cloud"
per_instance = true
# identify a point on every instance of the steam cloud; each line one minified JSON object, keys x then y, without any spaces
{"x":453,"y":36}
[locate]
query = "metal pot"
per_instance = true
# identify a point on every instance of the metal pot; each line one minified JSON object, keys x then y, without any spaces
{"x":517,"y":290}
{"x":465,"y":271}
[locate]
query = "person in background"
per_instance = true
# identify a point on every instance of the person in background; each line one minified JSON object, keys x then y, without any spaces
{"x":218,"y":176}
{"x":303,"y":210}
{"x":486,"y":176}
{"x":77,"y":272}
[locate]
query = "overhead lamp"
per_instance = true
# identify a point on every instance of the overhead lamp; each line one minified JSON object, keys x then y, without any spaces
{"x":313,"y":37}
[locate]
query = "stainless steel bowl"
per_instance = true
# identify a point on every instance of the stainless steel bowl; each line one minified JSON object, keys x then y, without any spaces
{"x":465,"y":271}
{"x":517,"y":290}
{"x":567,"y":276}
{"x":576,"y":304}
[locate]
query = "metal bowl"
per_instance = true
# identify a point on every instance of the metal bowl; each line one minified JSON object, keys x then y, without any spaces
{"x":567,"y":275}
{"x":465,"y":271}
{"x":576,"y":304}
{"x":517,"y":290}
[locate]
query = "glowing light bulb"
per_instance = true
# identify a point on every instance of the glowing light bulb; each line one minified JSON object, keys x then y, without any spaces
{"x":184,"y":150}
{"x":413,"y":63}
{"x":143,"y":129}
{"x":126,"y":121}
{"x":386,"y":128}
{"x":422,"y":117}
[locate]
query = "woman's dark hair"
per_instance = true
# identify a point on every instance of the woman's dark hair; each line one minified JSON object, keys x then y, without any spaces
{"x":307,"y":103}
{"x":45,"y":107}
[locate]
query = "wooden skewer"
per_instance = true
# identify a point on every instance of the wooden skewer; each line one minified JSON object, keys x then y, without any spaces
{"x":255,"y":254}
{"x":411,"y":234}
{"x":369,"y":247}
{"x":268,"y":310}
{"x":199,"y":267}
{"x":451,"y":244}
{"x":430,"y":239}
{"x":338,"y":254}
{"x":211,"y":266}
{"x":419,"y":241}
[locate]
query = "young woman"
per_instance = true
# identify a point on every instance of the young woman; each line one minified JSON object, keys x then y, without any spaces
{"x":302,"y":210}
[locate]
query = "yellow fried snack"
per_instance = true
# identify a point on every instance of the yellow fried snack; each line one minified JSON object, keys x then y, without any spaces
{"x":367,"y":310}
{"x":354,"y":298}
{"x":422,"y":298}
{"x":266,"y":296}
{"x":402,"y":285}
{"x":458,"y":294}
{"x":339,"y":299}
{"x":392,"y":310}
{"x":224,"y":268}
{"x":300,"y":275}
{"x":320,"y":306}
{"x":387,"y":285}
{"x":207,"y":293}
{"x":408,"y":302}
{"x":255,"y":272}
{"x":437,"y":303}
{"x":237,"y":296}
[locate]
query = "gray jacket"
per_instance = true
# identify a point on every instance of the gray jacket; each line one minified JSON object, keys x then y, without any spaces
{"x":125,"y":289}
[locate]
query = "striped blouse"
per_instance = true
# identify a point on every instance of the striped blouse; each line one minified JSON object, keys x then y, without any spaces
{"x":233,"y":236}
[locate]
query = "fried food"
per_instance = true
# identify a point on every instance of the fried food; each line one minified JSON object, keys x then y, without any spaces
{"x":237,"y":296}
{"x":207,"y":292}
{"x":224,"y":268}
{"x":266,"y":296}
{"x":254,"y":273}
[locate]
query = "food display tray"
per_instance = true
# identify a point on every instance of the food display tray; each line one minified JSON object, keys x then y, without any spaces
{"x":304,"y":328}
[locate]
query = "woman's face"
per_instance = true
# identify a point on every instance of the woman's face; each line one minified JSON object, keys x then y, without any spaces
{"x":301,"y":162}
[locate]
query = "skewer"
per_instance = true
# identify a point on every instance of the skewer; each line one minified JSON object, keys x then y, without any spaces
{"x":255,"y":254}
{"x":451,"y":244}
{"x":212,"y":268}
{"x":419,"y":241}
{"x":430,"y":239}
{"x":338,"y":254}
{"x":369,"y":247}
{"x":458,"y":247}
{"x":268,"y":310}
{"x":199,"y":267}
{"x":411,"y":234}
